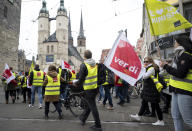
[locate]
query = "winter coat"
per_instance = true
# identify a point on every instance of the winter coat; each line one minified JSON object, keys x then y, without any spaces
{"x":150,"y":92}
{"x":51,"y":98}
{"x":183,"y":64}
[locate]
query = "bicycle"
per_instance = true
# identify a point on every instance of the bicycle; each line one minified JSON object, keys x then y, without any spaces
{"x":75,"y":102}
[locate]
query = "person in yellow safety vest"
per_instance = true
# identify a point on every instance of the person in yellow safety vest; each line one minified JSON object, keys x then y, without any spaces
{"x":88,"y":78}
{"x":107,"y":87}
{"x":119,"y":87}
{"x":18,"y":88}
{"x":150,"y":93}
{"x":52,"y":90}
{"x":25,"y":89}
{"x":73,"y":75}
{"x":36,"y":80}
{"x":180,"y":83}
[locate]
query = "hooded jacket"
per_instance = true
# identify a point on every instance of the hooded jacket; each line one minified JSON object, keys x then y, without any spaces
{"x":51,"y":98}
{"x":84,"y":72}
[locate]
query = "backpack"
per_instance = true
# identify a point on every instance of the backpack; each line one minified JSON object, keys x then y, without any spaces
{"x":101,"y":77}
{"x":110,"y":76}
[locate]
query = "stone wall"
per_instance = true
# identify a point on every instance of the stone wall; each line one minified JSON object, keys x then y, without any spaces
{"x":9,"y":33}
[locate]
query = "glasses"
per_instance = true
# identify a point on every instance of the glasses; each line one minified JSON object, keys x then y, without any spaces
{"x":146,"y":61}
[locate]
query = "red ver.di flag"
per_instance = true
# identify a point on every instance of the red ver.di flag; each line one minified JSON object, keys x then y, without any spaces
{"x":123,"y":60}
{"x":65,"y":65}
{"x":8,"y":75}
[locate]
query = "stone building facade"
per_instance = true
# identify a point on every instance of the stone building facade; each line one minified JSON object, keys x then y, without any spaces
{"x":54,"y":48}
{"x":21,"y":60}
{"x":10,"y":12}
{"x":165,"y":41}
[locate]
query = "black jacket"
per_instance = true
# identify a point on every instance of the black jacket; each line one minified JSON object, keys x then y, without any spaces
{"x":150,"y":92}
{"x":183,"y":65}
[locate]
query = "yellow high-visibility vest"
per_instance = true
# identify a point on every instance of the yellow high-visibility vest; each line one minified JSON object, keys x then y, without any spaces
{"x":25,"y":82}
{"x":119,"y":81}
{"x":73,"y":77}
{"x":37,"y":78}
{"x":158,"y":85}
{"x":91,"y":78}
{"x":53,"y":85}
{"x":185,"y":83}
{"x":60,"y":70}
{"x":106,"y":83}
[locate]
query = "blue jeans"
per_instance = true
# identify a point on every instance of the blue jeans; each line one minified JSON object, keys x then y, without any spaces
{"x":120,"y":92}
{"x":181,"y":109}
{"x":38,"y":89}
{"x":101,"y":94}
{"x":107,"y":95}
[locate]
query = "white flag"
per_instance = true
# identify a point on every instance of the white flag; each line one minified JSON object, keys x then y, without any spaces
{"x":123,"y":61}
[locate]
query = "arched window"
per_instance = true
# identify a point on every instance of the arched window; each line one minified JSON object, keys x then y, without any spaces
{"x":80,"y":50}
{"x":47,"y":49}
{"x":52,"y":48}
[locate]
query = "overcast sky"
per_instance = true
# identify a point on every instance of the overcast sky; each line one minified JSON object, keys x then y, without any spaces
{"x":102,"y":19}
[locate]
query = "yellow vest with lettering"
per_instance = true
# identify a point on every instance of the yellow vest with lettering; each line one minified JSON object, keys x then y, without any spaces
{"x":37,"y":78}
{"x":185,"y":83}
{"x":73,"y":77}
{"x":25,"y":82}
{"x":91,"y":78}
{"x":53,"y":86}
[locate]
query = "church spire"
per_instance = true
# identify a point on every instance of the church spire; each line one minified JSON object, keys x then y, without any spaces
{"x":81,"y":31}
{"x":44,"y":7}
{"x":62,"y":8}
{"x":69,"y":31}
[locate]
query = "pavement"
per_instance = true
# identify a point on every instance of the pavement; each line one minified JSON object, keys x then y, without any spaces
{"x":19,"y":117}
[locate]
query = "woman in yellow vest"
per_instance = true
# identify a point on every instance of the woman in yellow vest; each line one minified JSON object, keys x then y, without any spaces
{"x":52,"y":90}
{"x":180,"y":83}
{"x":150,"y":92}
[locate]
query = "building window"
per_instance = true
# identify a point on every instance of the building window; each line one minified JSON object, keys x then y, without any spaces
{"x":80,"y":43}
{"x":59,"y":24}
{"x":41,"y":26}
{"x":80,"y":50}
{"x":47,"y":49}
{"x":52,"y":48}
{"x":5,"y":11}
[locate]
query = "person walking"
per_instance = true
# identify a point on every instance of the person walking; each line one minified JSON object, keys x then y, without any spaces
{"x":119,"y":87}
{"x":88,"y":78}
{"x":180,"y":84}
{"x":52,"y":84}
{"x":36,"y":80}
{"x":25,"y":89}
{"x":150,"y":92}
{"x":109,"y":83}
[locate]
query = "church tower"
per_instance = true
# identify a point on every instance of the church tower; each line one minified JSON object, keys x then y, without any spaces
{"x":70,"y":38}
{"x":43,"y":30}
{"x":62,"y":32}
{"x":81,"y":40}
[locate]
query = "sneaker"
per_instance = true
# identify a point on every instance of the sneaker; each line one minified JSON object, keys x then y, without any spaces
{"x":96,"y":128}
{"x":159,"y":123}
{"x":136,"y":117}
{"x":60,"y":117}
{"x":82,"y":122}
{"x":121,"y":103}
{"x":46,"y":117}
{"x":31,"y":105}
{"x":110,"y":108}
{"x":40,"y":106}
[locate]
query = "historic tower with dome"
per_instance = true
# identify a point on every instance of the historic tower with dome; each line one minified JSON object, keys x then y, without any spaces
{"x":54,"y":48}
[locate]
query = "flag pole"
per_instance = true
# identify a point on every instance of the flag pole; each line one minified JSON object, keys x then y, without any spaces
{"x":152,"y":29}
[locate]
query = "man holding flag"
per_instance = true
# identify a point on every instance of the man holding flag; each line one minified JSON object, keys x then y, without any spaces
{"x":9,"y":83}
